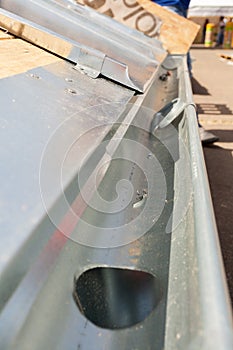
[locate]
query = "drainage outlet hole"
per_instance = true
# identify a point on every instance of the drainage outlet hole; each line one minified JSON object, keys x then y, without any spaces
{"x":116,"y":298}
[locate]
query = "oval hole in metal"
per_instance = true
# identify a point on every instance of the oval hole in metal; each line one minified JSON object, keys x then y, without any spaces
{"x":116,"y":298}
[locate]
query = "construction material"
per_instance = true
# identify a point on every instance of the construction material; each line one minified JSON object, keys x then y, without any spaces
{"x":176,"y":33}
{"x":228,"y":35}
{"x":132,"y":61}
{"x":107,"y":229}
{"x":209,"y":34}
{"x":18,"y":56}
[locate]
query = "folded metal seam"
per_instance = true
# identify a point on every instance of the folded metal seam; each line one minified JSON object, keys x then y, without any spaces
{"x":116,"y":52}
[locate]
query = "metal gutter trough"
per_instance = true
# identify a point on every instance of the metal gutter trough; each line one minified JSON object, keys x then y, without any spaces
{"x":108,"y":237}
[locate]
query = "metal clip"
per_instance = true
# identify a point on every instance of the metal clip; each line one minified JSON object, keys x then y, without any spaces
{"x":168,"y":114}
{"x":90,"y":62}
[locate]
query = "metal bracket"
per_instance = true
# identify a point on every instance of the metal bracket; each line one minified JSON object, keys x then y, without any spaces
{"x":90,"y":62}
{"x":168,"y":114}
{"x":177,"y":106}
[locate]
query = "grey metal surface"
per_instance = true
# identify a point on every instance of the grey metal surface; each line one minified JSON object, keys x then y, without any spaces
{"x":29,"y":274}
{"x":108,"y":239}
{"x":196,"y":264}
{"x":43,"y":276}
{"x":61,"y":99}
{"x":98,"y":44}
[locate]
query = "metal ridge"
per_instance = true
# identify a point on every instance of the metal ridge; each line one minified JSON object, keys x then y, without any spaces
{"x":78,"y":34}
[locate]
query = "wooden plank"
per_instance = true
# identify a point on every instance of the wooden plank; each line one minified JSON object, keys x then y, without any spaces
{"x":176,"y":32}
{"x":18,"y":56}
{"x":44,"y":39}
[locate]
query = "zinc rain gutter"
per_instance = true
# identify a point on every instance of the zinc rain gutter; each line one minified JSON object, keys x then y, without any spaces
{"x":213,"y":299}
{"x":215,"y":310}
{"x":79,"y":35}
{"x":215,"y":304}
{"x":24,"y":300}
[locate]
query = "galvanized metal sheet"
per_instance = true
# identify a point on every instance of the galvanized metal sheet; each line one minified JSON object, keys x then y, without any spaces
{"x":99,"y":45}
{"x":33,"y":106}
{"x":106,"y":215}
{"x":53,"y":281}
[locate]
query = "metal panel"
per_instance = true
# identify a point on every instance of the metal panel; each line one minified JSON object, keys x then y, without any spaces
{"x":104,"y":195}
{"x":96,"y":43}
{"x":33,"y":106}
{"x":39,"y":281}
{"x":72,"y":99}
